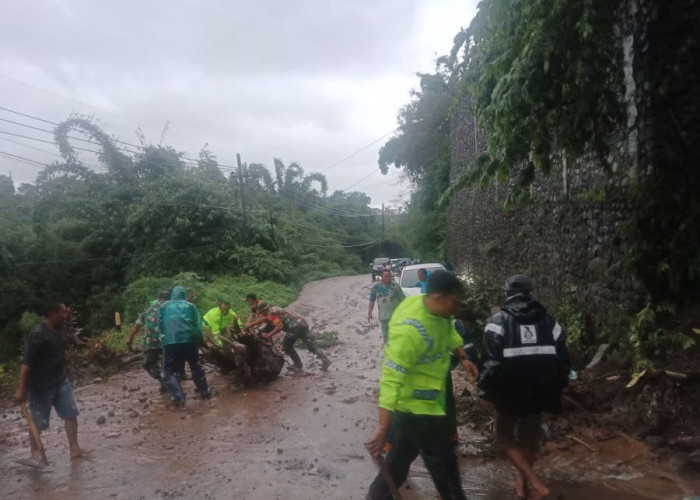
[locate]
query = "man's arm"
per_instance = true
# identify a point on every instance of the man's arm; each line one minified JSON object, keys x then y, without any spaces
{"x":372,"y":300}
{"x":494,"y":334}
{"x":132,"y":333}
{"x":21,"y":393}
{"x":278,"y":328}
{"x":468,"y":366}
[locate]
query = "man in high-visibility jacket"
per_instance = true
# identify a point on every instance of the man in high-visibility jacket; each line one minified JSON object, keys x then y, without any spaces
{"x":222,"y":320}
{"x":417,"y":355}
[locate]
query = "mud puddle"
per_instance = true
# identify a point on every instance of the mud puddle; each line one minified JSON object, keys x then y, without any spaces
{"x":297,"y":438}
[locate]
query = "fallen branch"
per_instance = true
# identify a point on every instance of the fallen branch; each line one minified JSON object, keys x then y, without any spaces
{"x":582,"y":442}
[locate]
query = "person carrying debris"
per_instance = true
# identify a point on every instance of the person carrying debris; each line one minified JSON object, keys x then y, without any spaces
{"x":151,"y":358}
{"x":387,"y":295}
{"x":253,"y":302}
{"x":43,"y":379}
{"x":222,"y":320}
{"x":296,"y":328}
{"x":412,"y":388}
{"x":181,"y":326}
{"x":526,"y":366}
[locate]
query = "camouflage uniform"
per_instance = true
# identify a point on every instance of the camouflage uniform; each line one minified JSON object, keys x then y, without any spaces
{"x":151,"y":359}
{"x":296,"y":328}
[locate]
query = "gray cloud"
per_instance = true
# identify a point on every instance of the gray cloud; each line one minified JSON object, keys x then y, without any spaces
{"x":306,"y":80}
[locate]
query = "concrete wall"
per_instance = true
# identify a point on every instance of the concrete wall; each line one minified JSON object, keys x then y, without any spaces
{"x":569,"y":234}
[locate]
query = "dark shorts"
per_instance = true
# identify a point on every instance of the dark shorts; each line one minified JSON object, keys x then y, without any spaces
{"x":60,"y":397}
{"x":523,"y":432}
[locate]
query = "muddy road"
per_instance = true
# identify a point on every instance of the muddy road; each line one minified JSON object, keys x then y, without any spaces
{"x":297,"y":438}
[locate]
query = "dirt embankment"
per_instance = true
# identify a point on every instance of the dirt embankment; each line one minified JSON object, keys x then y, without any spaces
{"x":296,"y":438}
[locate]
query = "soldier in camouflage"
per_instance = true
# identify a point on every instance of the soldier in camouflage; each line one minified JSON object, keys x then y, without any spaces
{"x":296,"y":328}
{"x":151,"y":358}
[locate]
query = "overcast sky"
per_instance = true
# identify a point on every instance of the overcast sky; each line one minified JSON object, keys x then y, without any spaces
{"x":310,"y":81}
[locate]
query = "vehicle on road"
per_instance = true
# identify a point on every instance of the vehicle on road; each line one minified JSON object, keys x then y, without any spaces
{"x":409,"y":277}
{"x":378,"y":266}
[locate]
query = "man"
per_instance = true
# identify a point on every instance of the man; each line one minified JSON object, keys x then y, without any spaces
{"x":253,"y":302}
{"x":422,"y":281}
{"x":221,"y":320}
{"x":43,"y":378}
{"x":181,"y":326}
{"x":447,"y":265}
{"x":151,"y":358}
{"x":296,"y":328}
{"x":464,"y":325}
{"x":526,"y":366}
{"x":387,"y":295}
{"x":412,"y":388}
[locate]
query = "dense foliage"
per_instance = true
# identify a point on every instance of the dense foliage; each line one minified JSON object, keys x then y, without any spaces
{"x":545,"y":80}
{"x":92,"y":235}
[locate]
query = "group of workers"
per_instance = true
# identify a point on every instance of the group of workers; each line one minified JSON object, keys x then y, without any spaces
{"x":174,"y":328}
{"x":521,"y":370}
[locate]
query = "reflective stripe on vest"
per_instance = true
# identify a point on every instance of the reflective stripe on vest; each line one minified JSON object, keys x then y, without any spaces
{"x":493,"y":327}
{"x":395,"y":367}
{"x":533,"y":350}
{"x":423,"y":333}
{"x":426,"y":395}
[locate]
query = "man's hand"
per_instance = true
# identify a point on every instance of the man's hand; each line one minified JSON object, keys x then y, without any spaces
{"x":376,"y":442}
{"x":21,"y":395}
{"x":369,"y":317}
{"x":129,"y":345}
{"x":470,"y":368}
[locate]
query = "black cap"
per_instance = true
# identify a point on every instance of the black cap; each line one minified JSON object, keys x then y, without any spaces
{"x":263,"y":306}
{"x":164,"y":295}
{"x":519,"y":283}
{"x":251,"y":296}
{"x":443,"y":282}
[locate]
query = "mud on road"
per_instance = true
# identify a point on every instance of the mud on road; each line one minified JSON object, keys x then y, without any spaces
{"x":296,"y":438}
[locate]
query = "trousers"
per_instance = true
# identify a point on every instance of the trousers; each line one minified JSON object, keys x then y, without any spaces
{"x":427,"y":436}
{"x":174,"y":358}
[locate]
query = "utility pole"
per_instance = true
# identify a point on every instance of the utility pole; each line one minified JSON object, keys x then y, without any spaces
{"x":381,"y":243}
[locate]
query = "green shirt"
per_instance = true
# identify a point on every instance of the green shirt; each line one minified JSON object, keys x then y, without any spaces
{"x":218,"y":322}
{"x":417,"y":359}
{"x":387,"y":297}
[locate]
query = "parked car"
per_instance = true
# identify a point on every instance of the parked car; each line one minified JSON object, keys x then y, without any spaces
{"x":378,"y":266}
{"x":409,"y":277}
{"x":396,"y":263}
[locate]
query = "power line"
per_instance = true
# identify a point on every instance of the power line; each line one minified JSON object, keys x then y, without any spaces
{"x":47,"y":142}
{"x":358,"y":151}
{"x":22,"y":158}
{"x":30,"y":147}
{"x":362,"y":180}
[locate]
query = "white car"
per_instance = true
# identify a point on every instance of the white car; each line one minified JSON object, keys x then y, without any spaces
{"x":409,"y":277}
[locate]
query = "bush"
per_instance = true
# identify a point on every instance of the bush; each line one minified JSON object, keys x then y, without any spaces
{"x":141,"y":292}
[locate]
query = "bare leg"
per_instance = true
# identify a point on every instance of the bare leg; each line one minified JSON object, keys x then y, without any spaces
{"x":519,"y":459}
{"x":71,"y":425}
{"x":36,"y":455}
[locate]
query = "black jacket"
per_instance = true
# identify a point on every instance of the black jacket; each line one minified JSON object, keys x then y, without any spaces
{"x":526,"y":364}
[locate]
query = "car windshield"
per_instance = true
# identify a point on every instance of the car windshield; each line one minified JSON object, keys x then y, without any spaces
{"x":409,"y":278}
